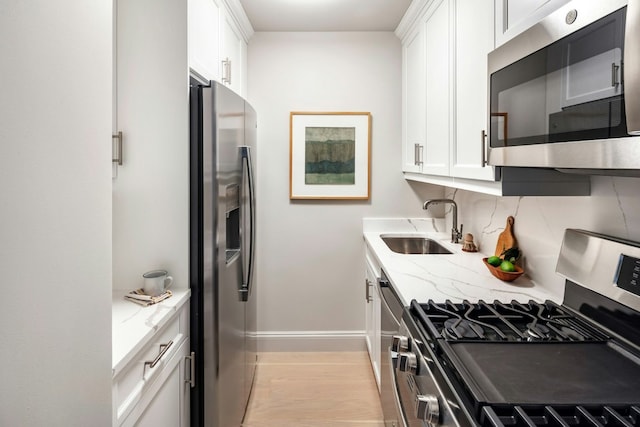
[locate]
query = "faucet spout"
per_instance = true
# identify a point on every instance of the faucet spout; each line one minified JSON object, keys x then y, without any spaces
{"x":456,"y":234}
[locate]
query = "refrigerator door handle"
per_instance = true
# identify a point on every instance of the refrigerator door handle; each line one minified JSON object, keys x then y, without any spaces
{"x":246,"y":160}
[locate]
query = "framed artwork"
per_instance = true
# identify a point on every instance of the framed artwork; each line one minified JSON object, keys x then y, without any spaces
{"x":329,"y":155}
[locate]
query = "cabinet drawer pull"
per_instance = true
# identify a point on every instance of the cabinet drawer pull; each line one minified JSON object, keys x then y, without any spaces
{"x":154,"y":362}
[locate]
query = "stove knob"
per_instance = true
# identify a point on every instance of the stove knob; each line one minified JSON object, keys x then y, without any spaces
{"x":428,"y":409}
{"x":399,"y":343}
{"x":407,"y":362}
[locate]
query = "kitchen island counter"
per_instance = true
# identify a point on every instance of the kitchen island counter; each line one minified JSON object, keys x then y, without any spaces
{"x":458,"y":276}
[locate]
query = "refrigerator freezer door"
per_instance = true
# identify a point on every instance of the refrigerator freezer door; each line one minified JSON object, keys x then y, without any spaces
{"x":223,"y":318}
{"x":229,"y":121}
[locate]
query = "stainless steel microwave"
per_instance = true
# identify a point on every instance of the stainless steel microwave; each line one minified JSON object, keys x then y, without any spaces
{"x":565,"y":94}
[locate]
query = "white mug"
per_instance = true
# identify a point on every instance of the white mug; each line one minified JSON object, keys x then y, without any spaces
{"x":156,"y":282}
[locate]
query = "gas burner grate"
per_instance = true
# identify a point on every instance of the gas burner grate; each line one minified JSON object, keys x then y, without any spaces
{"x":499,"y":321}
{"x":552,"y":416}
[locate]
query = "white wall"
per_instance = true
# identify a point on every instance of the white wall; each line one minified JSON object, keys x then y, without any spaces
{"x":55,"y":215}
{"x":613,"y":208}
{"x":310,"y":268}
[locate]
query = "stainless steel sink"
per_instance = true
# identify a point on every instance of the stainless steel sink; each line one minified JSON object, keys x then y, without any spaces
{"x":414,"y":245}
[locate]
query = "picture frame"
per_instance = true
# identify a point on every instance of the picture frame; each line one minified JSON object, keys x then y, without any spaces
{"x":329,"y":155}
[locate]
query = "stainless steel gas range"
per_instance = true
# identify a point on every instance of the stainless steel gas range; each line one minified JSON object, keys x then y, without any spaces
{"x":527,"y":364}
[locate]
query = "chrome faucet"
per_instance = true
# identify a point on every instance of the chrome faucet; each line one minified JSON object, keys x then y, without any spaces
{"x":455,"y":234}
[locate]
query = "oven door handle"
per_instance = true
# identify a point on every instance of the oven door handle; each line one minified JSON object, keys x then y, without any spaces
{"x":396,"y":395}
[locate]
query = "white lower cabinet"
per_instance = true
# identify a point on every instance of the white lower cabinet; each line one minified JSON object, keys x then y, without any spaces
{"x":373,"y":315}
{"x":169,"y":405}
{"x":153,"y":389}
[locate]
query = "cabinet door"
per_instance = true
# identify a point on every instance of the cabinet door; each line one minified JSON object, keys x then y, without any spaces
{"x":474,"y":40}
{"x":204,"y":38}
{"x":369,"y":324}
{"x":414,"y":101}
{"x":373,"y":317}
{"x":233,"y":55}
{"x":170,"y":405}
{"x":150,"y":213}
{"x":514,"y":16}
{"x":438,"y":114}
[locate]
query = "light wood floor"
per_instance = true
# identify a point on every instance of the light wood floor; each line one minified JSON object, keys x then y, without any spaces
{"x":332,"y":389}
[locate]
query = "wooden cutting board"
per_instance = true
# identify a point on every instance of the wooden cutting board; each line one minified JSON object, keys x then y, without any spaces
{"x":506,"y":239}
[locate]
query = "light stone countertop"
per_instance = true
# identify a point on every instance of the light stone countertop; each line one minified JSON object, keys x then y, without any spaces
{"x":456,"y":277}
{"x":133,"y":325}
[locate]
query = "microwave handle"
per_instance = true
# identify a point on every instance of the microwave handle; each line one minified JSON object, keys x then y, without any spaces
{"x":632,"y":67}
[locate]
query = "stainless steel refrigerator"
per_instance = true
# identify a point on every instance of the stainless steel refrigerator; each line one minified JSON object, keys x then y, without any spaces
{"x":222,"y":254}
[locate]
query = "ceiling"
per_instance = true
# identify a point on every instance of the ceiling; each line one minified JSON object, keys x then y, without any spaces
{"x":325,"y":15}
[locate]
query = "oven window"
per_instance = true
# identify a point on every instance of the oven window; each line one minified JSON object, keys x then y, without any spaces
{"x":570,"y":90}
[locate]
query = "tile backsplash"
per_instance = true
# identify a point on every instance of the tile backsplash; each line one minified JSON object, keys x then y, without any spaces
{"x":613,"y":208}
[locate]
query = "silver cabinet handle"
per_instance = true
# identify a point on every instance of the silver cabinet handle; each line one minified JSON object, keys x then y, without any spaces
{"x":484,"y":147}
{"x":367,"y":286}
{"x":117,"y":157}
{"x":191,"y":367}
{"x":417,"y":154}
{"x":632,"y":67}
{"x":154,"y":362}
{"x":226,"y":71}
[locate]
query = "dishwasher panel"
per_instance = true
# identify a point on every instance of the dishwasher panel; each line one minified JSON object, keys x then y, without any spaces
{"x":390,"y":315}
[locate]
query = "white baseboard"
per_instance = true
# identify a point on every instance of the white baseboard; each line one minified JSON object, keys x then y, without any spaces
{"x":311,"y":341}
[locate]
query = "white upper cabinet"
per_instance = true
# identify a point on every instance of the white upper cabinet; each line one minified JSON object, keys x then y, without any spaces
{"x":150,"y":213}
{"x":438,"y":85}
{"x":445,"y":88}
{"x":514,"y":16}
{"x":473,"y":42}
{"x":219,"y":31}
{"x":426,"y":92}
{"x":445,"y":99}
{"x":204,"y":39}
{"x":413,"y":100}
{"x":233,"y":55}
